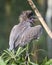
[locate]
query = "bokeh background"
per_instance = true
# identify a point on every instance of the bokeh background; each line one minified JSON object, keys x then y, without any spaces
{"x":9,"y":14}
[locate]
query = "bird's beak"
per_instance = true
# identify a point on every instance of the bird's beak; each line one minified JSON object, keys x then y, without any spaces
{"x":34,"y":17}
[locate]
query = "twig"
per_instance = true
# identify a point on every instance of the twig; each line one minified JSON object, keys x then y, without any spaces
{"x":40,"y":18}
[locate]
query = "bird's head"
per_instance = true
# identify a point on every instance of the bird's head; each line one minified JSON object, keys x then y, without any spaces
{"x":27,"y":16}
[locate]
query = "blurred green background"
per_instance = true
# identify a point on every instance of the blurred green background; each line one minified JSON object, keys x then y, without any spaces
{"x":9,"y":13}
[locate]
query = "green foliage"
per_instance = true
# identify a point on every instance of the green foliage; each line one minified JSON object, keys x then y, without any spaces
{"x":18,"y":58}
{"x":2,"y":62}
{"x":49,"y":62}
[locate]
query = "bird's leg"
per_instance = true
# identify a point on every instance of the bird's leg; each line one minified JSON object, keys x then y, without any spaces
{"x":14,"y":48}
{"x":27,"y":54}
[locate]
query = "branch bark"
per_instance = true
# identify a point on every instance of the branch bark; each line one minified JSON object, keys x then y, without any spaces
{"x":40,"y":18}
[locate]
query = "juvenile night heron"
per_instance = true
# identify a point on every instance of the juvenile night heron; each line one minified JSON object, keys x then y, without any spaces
{"x":23,"y":33}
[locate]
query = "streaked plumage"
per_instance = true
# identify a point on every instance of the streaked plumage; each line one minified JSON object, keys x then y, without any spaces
{"x":29,"y":34}
{"x":23,"y":33}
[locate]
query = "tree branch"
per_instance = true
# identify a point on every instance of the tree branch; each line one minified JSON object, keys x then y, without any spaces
{"x":40,"y":18}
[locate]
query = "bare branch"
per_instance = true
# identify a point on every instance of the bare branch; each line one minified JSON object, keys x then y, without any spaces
{"x":40,"y":18}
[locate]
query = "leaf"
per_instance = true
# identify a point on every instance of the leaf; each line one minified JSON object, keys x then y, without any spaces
{"x":13,"y":64}
{"x":20,"y":51}
{"x":7,"y":60}
{"x":2,"y":62}
{"x":33,"y":63}
{"x":3,"y":54}
{"x":44,"y":61}
{"x":49,"y":62}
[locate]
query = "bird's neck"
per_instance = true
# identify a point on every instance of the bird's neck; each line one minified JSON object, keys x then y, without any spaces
{"x":25,"y":23}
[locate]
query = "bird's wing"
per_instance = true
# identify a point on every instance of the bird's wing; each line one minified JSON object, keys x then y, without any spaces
{"x":29,"y":34}
{"x":16,"y":32}
{"x":12,"y":37}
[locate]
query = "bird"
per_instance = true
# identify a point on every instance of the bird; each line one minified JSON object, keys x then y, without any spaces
{"x":22,"y":33}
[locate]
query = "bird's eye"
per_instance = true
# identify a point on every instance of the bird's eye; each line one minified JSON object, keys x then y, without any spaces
{"x":30,"y":14}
